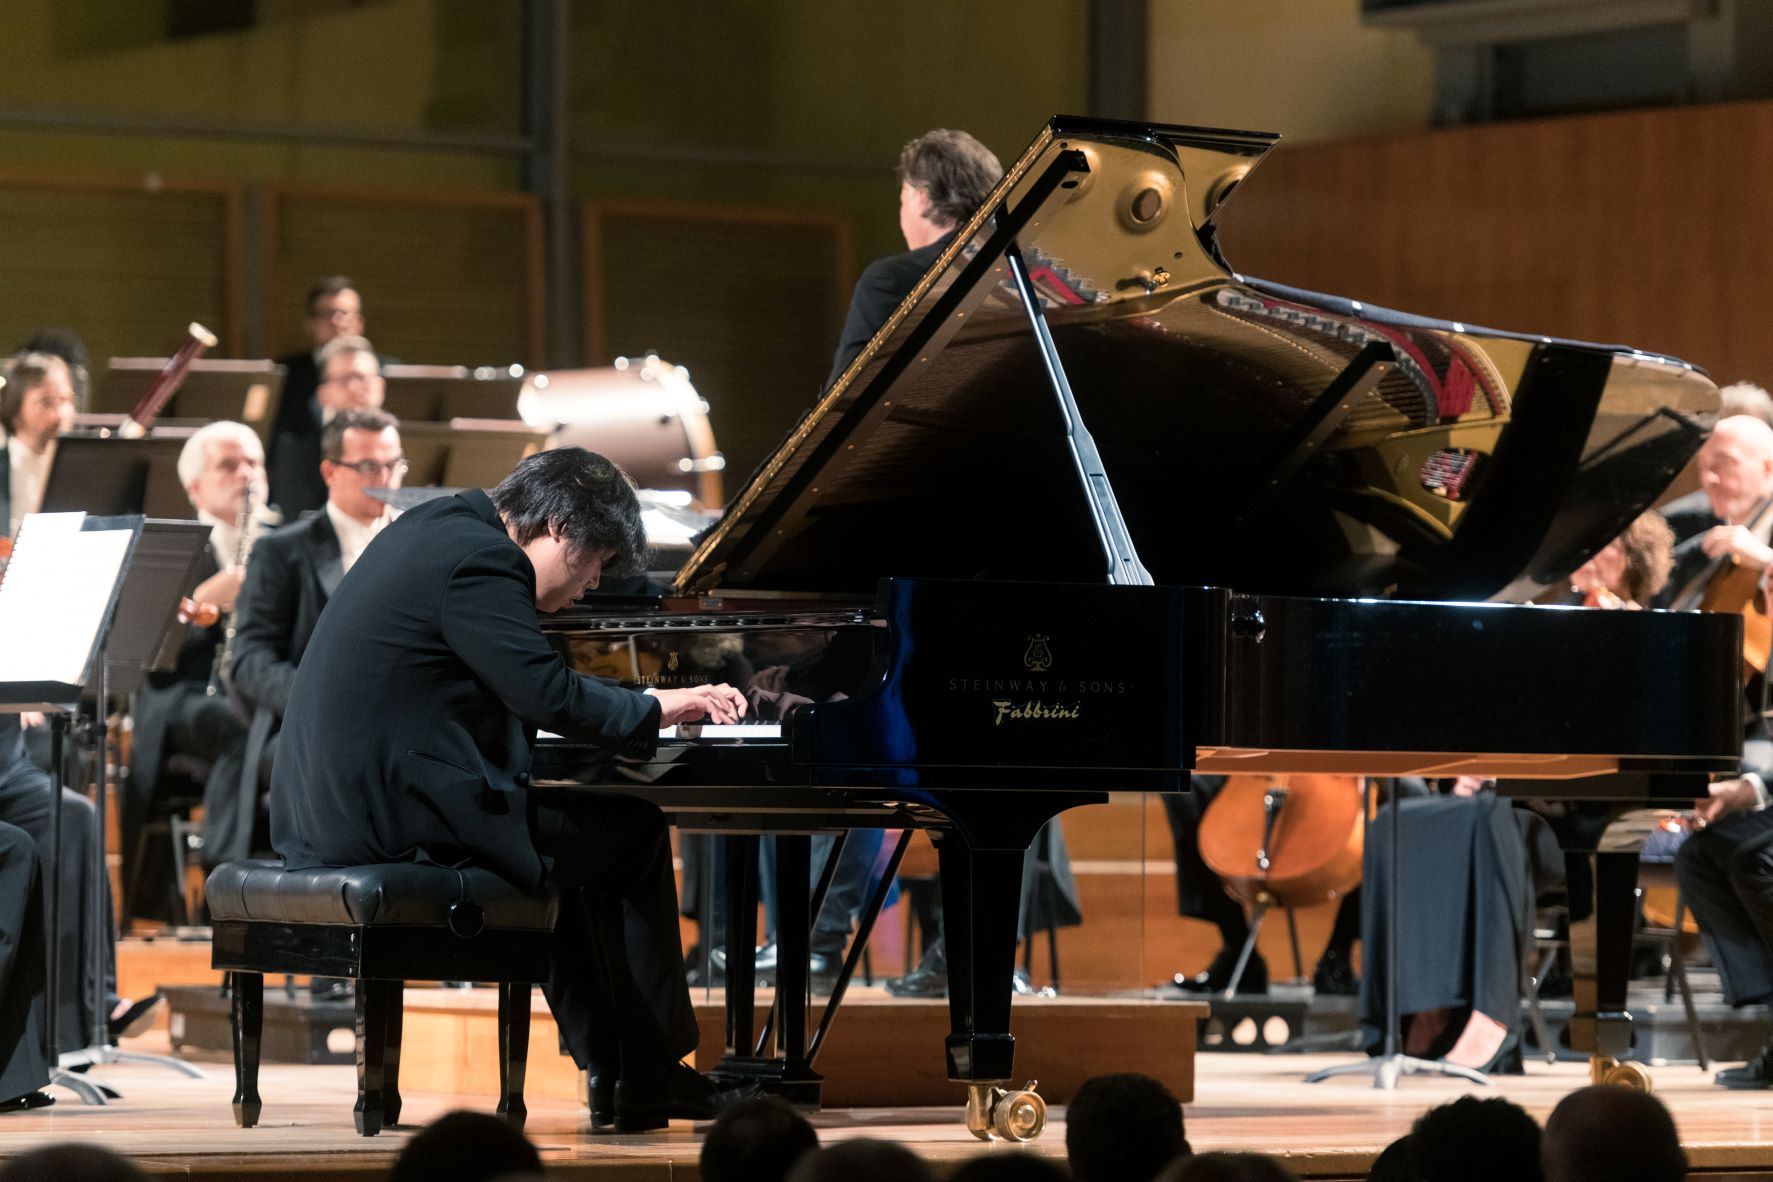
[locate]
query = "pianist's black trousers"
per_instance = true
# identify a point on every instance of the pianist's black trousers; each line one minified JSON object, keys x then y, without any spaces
{"x":616,"y":985}
{"x":1726,"y":876}
{"x":23,"y":1065}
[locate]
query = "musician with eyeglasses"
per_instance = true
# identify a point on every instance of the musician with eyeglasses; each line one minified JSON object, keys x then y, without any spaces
{"x":290,"y":575}
{"x":350,"y":376}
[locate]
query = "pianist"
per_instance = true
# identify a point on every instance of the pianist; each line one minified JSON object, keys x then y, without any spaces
{"x":407,"y":738}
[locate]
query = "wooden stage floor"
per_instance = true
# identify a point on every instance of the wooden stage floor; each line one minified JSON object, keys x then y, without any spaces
{"x":183,"y":1128}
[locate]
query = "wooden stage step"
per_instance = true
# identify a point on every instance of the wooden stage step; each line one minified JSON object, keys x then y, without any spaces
{"x":882,"y":1051}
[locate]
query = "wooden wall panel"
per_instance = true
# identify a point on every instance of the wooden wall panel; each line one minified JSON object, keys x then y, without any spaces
{"x":447,"y":279}
{"x":1648,"y":228}
{"x":749,"y":300}
{"x":124,"y":266}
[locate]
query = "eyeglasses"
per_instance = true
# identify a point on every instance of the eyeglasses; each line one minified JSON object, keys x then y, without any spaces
{"x":370,"y":469}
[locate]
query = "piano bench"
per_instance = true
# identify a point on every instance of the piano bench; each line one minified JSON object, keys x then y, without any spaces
{"x":380,"y":926}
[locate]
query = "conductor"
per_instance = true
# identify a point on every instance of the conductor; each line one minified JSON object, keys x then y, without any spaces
{"x":408,"y":736}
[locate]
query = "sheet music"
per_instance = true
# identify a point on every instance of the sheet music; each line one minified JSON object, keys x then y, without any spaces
{"x":58,"y":586}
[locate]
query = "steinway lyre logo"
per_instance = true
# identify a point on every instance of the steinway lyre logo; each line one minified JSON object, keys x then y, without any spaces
{"x":1038,"y":658}
{"x":671,"y":662}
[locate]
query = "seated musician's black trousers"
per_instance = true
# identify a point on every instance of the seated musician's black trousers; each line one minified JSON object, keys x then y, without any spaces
{"x":1726,"y":876}
{"x":616,"y":985}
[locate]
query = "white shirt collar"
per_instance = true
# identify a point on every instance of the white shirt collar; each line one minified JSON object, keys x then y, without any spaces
{"x":354,"y":536}
{"x":27,"y":472}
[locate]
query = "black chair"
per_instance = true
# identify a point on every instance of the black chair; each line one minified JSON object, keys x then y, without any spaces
{"x":178,"y":794}
{"x":381,"y":926}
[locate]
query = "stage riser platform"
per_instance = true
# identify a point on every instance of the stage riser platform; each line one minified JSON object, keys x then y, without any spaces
{"x":882,"y":1052}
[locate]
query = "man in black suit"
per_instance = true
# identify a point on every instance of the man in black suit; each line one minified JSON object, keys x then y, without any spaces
{"x":408,"y":738}
{"x":944,"y":177}
{"x":334,"y":308}
{"x":289,"y":577}
{"x":175,"y":712}
{"x":350,"y":376}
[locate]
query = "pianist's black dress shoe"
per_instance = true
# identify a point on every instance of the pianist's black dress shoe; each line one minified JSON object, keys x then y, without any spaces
{"x":1756,"y":1073}
{"x":27,"y":1102}
{"x":1218,"y":975}
{"x":683,"y":1094}
{"x":1334,"y":975}
{"x":929,"y":979}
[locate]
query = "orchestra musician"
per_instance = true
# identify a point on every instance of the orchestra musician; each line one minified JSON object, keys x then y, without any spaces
{"x":176,"y":712}
{"x":350,"y":374}
{"x":1725,"y":867}
{"x":36,"y":405}
{"x":407,"y":738}
{"x":333,"y":308}
{"x":289,"y":576}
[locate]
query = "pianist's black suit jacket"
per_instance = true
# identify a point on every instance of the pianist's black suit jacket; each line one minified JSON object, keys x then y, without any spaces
{"x":882,"y":288}
{"x":409,"y":726}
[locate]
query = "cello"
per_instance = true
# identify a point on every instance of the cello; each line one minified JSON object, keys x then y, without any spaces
{"x":1287,"y":841}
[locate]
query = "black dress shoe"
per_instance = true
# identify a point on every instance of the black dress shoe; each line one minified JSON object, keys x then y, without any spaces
{"x":1218,"y":975}
{"x":929,"y":979}
{"x":1334,"y":975}
{"x":330,"y":989}
{"x":27,"y":1102}
{"x":136,"y":1017}
{"x":601,"y":1099}
{"x":1756,"y":1073}
{"x":683,"y":1094}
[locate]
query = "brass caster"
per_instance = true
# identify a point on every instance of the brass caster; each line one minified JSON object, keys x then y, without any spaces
{"x":1630,"y":1075}
{"x":1599,"y":1066}
{"x":997,"y":1113}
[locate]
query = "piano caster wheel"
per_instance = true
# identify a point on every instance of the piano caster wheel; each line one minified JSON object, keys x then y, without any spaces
{"x":1624,"y":1075}
{"x":996,"y":1113}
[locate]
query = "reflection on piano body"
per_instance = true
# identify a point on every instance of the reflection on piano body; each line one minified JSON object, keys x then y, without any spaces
{"x":1092,"y":510}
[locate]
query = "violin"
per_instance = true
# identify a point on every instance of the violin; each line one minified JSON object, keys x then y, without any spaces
{"x":1289,"y":841}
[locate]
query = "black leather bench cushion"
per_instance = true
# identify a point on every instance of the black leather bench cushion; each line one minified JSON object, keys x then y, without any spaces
{"x":395,"y":894}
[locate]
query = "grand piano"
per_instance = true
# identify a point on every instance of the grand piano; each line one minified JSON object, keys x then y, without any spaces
{"x":1092,"y":510}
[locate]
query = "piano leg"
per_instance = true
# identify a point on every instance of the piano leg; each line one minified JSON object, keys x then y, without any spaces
{"x":981,"y":894}
{"x":741,"y":942}
{"x":1600,"y":966}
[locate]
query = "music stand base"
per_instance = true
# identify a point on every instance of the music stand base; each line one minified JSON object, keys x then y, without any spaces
{"x":101,"y":1055}
{"x":1385,"y":1070}
{"x":88,"y":1091}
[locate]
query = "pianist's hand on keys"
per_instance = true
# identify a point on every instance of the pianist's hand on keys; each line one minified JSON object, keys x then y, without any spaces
{"x":718,"y":703}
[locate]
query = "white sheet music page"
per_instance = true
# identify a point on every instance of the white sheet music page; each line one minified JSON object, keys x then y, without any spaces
{"x":58,"y":584}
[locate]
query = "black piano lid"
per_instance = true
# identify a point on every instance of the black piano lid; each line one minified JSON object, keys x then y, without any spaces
{"x":1467,"y":464}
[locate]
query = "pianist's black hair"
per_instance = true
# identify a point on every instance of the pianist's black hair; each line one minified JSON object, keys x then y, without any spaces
{"x":579,"y":494}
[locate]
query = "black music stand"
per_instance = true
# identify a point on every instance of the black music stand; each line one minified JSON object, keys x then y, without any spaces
{"x":245,"y":391}
{"x":114,"y":477}
{"x":438,"y":393}
{"x":56,"y":607}
{"x":160,"y":570}
{"x":466,"y":455}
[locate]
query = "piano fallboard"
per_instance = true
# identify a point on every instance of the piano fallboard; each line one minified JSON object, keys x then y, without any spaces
{"x":952,"y":686}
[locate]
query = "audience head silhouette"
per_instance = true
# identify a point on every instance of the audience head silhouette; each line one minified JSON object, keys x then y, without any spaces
{"x":1227,"y":1167}
{"x":71,"y":1163}
{"x":863,"y":1160}
{"x":466,"y":1147}
{"x":1393,"y":1163}
{"x":1009,"y":1165}
{"x":756,"y":1140}
{"x":1473,"y":1140}
{"x":1610,"y":1132}
{"x":1122,"y":1128}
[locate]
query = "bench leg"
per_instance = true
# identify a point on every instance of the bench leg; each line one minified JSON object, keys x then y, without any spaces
{"x":372,"y":1041}
{"x":395,"y":1002}
{"x":248,"y":1012}
{"x":514,"y":998}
